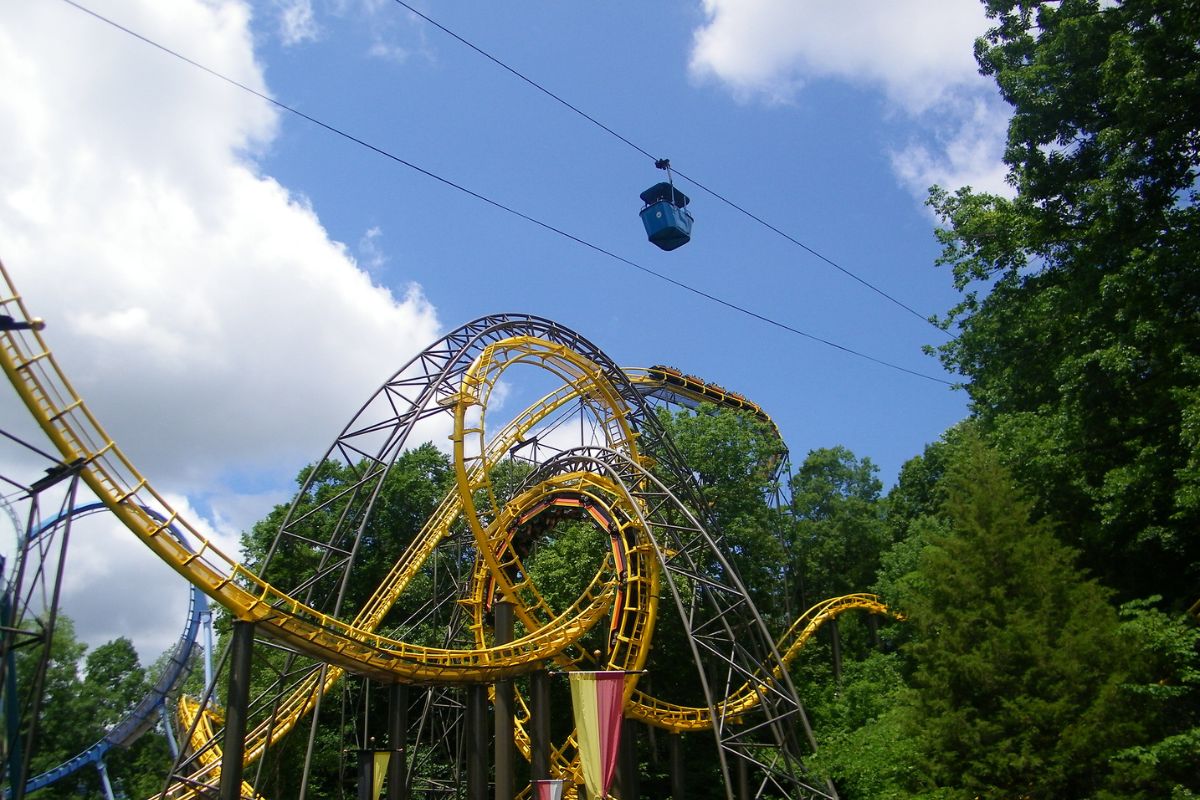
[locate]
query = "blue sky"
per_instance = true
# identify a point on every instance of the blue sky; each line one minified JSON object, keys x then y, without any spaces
{"x":816,"y":164}
{"x":225,"y":283}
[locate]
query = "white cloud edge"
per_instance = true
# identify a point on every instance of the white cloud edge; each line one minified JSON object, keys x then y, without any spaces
{"x":769,"y":50}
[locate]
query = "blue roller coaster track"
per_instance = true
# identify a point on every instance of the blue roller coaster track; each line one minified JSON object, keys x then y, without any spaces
{"x":141,"y":718}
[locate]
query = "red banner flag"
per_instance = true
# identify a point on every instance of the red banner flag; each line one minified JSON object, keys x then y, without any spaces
{"x":547,"y":790}
{"x":598,"y":701}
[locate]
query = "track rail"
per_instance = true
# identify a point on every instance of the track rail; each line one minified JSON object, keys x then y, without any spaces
{"x":138,"y":720}
{"x":630,"y":482}
{"x":35,"y":374}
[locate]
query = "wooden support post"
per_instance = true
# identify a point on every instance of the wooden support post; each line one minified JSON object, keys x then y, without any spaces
{"x":674,"y":746}
{"x":366,"y":774}
{"x":627,"y":777}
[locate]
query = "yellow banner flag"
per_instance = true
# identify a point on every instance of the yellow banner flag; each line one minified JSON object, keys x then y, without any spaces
{"x":381,"y":764}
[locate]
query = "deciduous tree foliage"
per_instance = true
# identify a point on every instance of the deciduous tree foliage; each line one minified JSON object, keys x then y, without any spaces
{"x":1079,"y":326}
{"x":114,"y":681}
{"x":1163,"y":696}
{"x":413,"y":487}
{"x":839,"y":528}
{"x":733,"y":456}
{"x":59,"y":736}
{"x":86,"y":694}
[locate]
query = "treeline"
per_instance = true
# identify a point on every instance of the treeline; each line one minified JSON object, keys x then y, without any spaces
{"x":1045,"y":551}
{"x":85,"y":695}
{"x":1012,"y":672}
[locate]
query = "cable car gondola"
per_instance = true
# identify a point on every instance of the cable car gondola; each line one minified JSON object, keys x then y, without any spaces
{"x":666,"y":218}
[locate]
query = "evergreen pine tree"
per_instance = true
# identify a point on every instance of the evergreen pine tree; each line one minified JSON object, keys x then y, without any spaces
{"x":1016,"y":654}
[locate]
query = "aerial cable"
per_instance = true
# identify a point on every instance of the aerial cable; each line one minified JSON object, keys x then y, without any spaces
{"x":813,"y":252}
{"x":495,"y":203}
{"x":681,"y":174}
{"x":530,"y":81}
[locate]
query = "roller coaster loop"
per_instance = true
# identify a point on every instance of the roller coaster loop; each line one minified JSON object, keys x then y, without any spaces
{"x":591,"y":451}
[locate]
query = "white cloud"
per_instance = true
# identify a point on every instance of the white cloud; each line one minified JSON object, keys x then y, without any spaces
{"x":917,"y":53}
{"x":392,"y":32}
{"x":965,"y":151}
{"x":297,"y":23}
{"x":387,"y":50}
{"x":203,"y":312}
{"x":915,"y":50}
{"x":371,"y":254}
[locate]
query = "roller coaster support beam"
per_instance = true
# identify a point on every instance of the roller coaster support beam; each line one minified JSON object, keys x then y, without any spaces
{"x":312,"y":736}
{"x":206,"y":621}
{"x":675,"y":748}
{"x":19,"y":770}
{"x":13,"y":751}
{"x":505,"y":724}
{"x":539,"y":688}
{"x":397,"y":780}
{"x":477,"y":742}
{"x":103,"y":770}
{"x":172,"y":745}
{"x":366,"y":774}
{"x":236,"y":709}
{"x":627,"y":761}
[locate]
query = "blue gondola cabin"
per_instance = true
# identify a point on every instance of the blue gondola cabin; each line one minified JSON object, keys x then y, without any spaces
{"x":667,"y":220}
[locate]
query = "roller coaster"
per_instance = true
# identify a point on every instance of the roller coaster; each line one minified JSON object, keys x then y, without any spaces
{"x":589,"y":450}
{"x":142,"y":717}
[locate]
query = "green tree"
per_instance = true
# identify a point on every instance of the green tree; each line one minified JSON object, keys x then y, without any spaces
{"x":64,"y":725}
{"x":863,"y":745}
{"x":414,"y":485}
{"x":1017,"y":660}
{"x":732,"y":454}
{"x":734,"y":457}
{"x":919,"y":491}
{"x":114,"y":681}
{"x":411,"y":490}
{"x":1163,"y":695}
{"x":839,"y":531}
{"x":913,"y":512}
{"x":1079,"y":325}
{"x":85,"y":695}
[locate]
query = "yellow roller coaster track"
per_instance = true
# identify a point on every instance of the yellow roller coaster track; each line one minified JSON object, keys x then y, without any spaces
{"x":34,"y":373}
{"x":202,"y":722}
{"x":625,"y":589}
{"x":669,"y":383}
{"x":300,"y":702}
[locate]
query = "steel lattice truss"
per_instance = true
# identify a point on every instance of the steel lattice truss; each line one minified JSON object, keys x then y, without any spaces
{"x":427,"y":622}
